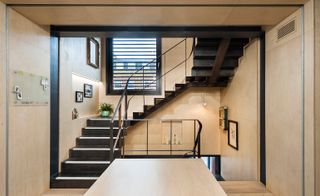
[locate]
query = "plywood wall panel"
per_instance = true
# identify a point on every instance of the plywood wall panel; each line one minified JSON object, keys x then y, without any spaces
{"x":241,"y":97}
{"x":317,"y":96}
{"x":284,"y":111}
{"x":74,"y":73}
{"x":2,"y":97}
{"x":29,"y":126}
{"x":309,"y":103}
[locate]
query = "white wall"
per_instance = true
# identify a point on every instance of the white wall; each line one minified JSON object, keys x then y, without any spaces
{"x":241,"y":97}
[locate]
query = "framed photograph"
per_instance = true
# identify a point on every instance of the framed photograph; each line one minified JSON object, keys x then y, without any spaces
{"x":79,"y":96}
{"x":233,"y":134}
{"x":223,"y":118}
{"x":93,"y":52}
{"x":88,"y":90}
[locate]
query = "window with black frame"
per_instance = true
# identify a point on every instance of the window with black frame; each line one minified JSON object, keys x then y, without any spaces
{"x":136,"y":57}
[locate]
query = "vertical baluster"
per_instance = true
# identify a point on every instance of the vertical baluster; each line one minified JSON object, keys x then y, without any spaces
{"x":170,"y":137}
{"x":111,"y":141}
{"x":194,"y":138}
{"x":185,"y":58}
{"x":147,"y":137}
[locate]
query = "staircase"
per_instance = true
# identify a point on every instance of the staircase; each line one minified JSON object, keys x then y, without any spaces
{"x":204,"y":56}
{"x":89,"y":158}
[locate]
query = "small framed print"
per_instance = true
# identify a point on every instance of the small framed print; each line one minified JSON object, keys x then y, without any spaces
{"x":88,"y":90}
{"x":79,"y":97}
{"x":93,"y":52}
{"x":223,"y":118}
{"x":233,"y":134}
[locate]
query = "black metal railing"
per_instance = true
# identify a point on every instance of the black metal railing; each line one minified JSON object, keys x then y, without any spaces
{"x":147,"y":151}
{"x":123,"y":104}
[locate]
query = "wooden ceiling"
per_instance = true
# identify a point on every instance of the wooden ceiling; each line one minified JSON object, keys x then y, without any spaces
{"x":159,"y":2}
{"x":155,"y":12}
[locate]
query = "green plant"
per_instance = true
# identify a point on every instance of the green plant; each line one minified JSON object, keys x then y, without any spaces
{"x":106,"y":107}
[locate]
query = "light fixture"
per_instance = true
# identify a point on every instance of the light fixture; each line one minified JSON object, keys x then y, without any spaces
{"x":204,"y":102}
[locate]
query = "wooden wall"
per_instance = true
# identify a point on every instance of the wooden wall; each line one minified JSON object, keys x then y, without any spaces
{"x":241,"y":97}
{"x":317,"y":96}
{"x":284,"y":110}
{"x":2,"y":97}
{"x":29,"y":126}
{"x":74,"y":73}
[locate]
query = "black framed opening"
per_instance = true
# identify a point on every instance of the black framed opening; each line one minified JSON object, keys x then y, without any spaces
{"x":137,"y":57}
{"x":93,"y":31}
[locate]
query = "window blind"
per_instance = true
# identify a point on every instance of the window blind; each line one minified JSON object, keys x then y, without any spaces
{"x":129,"y":56}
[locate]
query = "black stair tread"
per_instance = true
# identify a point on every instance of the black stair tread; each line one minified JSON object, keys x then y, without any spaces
{"x":210,"y":52}
{"x":82,"y":159}
{"x":77,"y":175}
{"x":86,"y":148}
{"x":92,"y":146}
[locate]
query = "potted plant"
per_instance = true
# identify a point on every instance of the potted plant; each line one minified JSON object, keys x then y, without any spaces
{"x":105,"y":110}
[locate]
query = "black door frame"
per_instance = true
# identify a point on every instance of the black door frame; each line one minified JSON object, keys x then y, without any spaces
{"x":187,"y":31}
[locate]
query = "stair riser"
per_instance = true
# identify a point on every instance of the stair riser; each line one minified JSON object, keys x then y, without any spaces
{"x":227,"y":63}
{"x":92,"y":154}
{"x":100,"y":123}
{"x":97,"y":132}
{"x":71,"y":183}
{"x":91,"y":142}
{"x":78,"y":169}
{"x":205,"y":52}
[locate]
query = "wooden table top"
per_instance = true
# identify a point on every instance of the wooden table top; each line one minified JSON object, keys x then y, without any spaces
{"x":156,"y":177}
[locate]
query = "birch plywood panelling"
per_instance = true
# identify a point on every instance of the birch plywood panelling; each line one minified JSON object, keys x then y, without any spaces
{"x":184,"y":2}
{"x":157,"y":15}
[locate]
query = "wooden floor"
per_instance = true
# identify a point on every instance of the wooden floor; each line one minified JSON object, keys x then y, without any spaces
{"x":242,"y":188}
{"x":65,"y":192}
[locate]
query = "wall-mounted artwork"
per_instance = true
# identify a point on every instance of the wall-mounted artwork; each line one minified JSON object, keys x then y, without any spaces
{"x":29,"y":89}
{"x":79,"y":96}
{"x":88,"y":90}
{"x":223,"y":118}
{"x":93,"y":52}
{"x":233,"y":134}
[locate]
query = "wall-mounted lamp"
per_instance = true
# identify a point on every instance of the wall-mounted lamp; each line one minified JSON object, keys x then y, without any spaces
{"x":203,"y":98}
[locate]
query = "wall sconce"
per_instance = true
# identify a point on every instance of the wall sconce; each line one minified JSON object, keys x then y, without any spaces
{"x":75,"y":113}
{"x":203,"y":98}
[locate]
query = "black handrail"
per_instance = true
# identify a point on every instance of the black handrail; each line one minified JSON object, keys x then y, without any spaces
{"x":197,"y":142}
{"x":123,"y":123}
{"x":176,"y":66}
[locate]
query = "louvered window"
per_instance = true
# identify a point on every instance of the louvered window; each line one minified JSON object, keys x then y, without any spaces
{"x":127,"y":56}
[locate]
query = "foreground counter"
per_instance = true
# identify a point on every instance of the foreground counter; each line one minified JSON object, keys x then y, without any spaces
{"x":156,"y":177}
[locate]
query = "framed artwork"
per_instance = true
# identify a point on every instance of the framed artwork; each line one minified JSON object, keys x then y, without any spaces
{"x":79,"y":96}
{"x":233,"y":134}
{"x":223,"y":118}
{"x":93,"y":52}
{"x":88,"y":90}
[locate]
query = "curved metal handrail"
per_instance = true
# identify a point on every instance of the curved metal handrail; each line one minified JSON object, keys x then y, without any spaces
{"x":125,"y":93}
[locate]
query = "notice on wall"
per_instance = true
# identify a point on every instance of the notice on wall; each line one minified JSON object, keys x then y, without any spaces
{"x":29,"y":89}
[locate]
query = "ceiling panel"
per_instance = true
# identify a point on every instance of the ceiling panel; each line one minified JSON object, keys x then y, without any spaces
{"x":152,"y":2}
{"x":159,"y":16}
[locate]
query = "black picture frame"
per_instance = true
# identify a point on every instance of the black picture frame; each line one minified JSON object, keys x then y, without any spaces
{"x":79,"y":97}
{"x":88,"y":90}
{"x":233,"y":134}
{"x":93,"y":52}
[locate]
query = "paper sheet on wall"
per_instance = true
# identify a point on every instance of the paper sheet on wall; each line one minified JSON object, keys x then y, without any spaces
{"x":29,"y":89}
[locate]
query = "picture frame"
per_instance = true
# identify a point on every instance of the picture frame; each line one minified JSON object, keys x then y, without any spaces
{"x":79,"y":97}
{"x":233,"y":134}
{"x":223,"y":118}
{"x":88,"y":90}
{"x":93,"y":52}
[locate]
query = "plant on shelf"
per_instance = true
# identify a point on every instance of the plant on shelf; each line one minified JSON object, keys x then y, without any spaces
{"x":105,"y":110}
